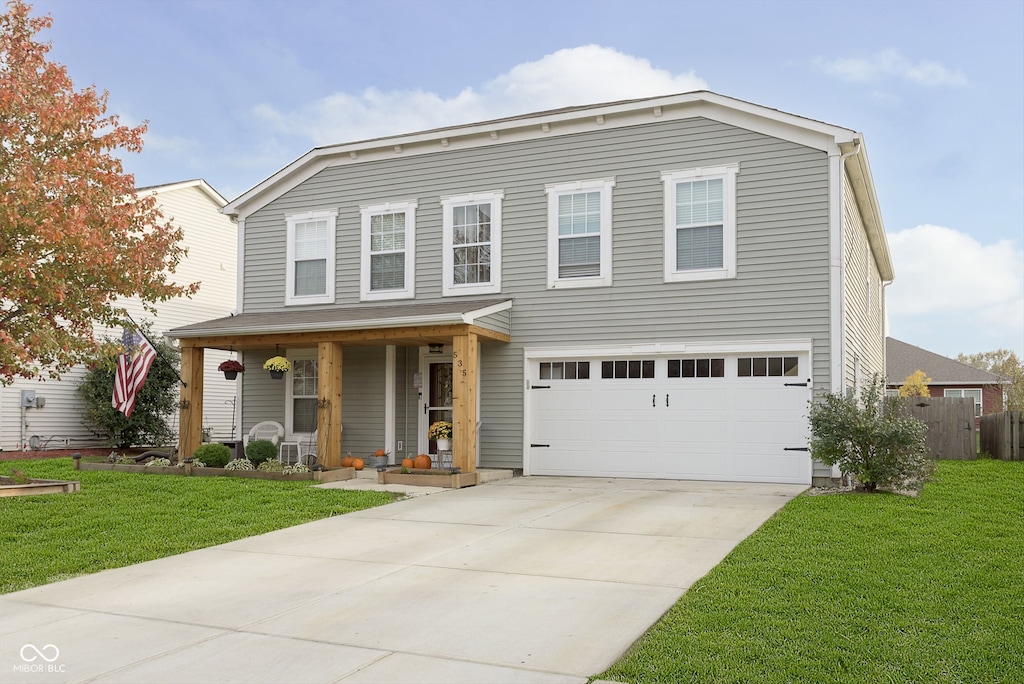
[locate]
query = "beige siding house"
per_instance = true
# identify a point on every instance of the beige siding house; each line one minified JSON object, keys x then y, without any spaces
{"x":212,"y":257}
{"x":647,"y":288}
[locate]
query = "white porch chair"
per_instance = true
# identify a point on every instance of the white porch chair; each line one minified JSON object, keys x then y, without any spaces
{"x":267,"y":429}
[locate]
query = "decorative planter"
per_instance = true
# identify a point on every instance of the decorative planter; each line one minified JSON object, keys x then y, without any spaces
{"x":427,"y":478}
{"x":230,"y":375}
{"x":376,"y":461}
{"x":277,"y":375}
{"x":444,"y":444}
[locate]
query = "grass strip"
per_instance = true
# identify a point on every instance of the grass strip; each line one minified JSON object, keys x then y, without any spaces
{"x":860,"y":588}
{"x":119,"y":519}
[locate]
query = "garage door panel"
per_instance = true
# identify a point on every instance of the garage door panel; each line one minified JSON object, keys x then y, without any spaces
{"x":722,"y":428}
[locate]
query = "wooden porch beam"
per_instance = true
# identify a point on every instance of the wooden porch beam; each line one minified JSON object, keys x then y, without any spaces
{"x":465,"y":360}
{"x":190,"y":408}
{"x":413,"y":336}
{"x":328,"y":415}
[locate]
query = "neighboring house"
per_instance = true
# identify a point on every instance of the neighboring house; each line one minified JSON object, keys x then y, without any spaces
{"x":647,"y":288}
{"x":948,"y":378}
{"x":211,"y":240}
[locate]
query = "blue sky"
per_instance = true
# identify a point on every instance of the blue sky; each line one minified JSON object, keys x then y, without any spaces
{"x":234,"y":90}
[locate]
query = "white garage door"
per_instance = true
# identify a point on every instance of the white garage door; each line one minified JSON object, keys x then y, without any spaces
{"x":738,"y":417}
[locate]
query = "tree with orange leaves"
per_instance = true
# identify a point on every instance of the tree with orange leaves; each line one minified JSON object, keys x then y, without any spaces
{"x":74,"y":236}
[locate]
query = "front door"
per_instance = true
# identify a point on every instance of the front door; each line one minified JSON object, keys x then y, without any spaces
{"x":435,"y":397}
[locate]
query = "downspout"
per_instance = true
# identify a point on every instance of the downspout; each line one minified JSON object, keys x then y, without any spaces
{"x":838,"y":267}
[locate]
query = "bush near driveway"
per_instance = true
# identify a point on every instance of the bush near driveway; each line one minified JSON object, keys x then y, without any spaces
{"x":860,"y":588}
{"x":119,"y":519}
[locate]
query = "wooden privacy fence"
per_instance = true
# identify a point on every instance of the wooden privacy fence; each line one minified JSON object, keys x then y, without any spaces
{"x":1002,"y":435}
{"x":950,"y":422}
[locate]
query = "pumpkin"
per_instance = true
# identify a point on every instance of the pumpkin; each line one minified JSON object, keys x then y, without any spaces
{"x":358,"y":463}
{"x":379,"y":452}
{"x":347,"y":461}
{"x":422,"y":462}
{"x":408,"y":463}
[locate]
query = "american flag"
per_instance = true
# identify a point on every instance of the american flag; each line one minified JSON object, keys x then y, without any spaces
{"x":132,"y":368}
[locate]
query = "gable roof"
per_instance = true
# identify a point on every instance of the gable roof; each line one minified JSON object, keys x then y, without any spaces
{"x":811,"y":133}
{"x":205,"y":187}
{"x":902,"y":359}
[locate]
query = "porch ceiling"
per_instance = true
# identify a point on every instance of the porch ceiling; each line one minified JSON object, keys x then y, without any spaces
{"x":399,"y":324}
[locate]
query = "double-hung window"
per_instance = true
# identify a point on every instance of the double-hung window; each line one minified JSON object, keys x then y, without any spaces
{"x":700,"y":223}
{"x":302,"y":400}
{"x":388,"y":251}
{"x":310,"y":256}
{"x":580,"y":233}
{"x":971,"y":393}
{"x":472,"y":243}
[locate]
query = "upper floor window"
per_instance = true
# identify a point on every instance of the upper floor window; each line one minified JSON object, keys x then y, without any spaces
{"x":310,"y":257}
{"x":580,"y":233}
{"x":388,"y":251}
{"x":700,"y":223}
{"x":472,"y":243}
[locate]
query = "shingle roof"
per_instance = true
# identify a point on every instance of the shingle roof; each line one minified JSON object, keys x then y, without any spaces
{"x":902,"y":359}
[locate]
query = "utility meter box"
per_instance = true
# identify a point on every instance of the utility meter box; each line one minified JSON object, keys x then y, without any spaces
{"x":28,"y":398}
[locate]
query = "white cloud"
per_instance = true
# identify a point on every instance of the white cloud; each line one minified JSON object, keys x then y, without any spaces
{"x":954,"y":292}
{"x":891,"y":63}
{"x":581,"y":75}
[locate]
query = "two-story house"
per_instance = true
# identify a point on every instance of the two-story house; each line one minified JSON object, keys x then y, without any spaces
{"x":56,"y":422}
{"x":647,"y":288}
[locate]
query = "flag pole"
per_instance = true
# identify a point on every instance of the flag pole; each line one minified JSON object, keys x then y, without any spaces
{"x":156,"y":349}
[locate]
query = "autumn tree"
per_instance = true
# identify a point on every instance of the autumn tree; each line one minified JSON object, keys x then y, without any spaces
{"x":916,"y":385}
{"x":74,"y":236}
{"x":1008,"y":367}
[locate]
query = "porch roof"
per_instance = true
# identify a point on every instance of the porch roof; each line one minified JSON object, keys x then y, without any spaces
{"x":406,"y":323}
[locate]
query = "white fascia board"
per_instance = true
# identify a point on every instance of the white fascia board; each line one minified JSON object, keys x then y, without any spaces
{"x":772,"y":122}
{"x":470,"y":317}
{"x":863,"y":183}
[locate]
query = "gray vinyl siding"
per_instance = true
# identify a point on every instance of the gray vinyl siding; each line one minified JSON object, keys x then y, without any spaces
{"x":499,"y":322}
{"x":262,"y":396}
{"x":362,"y":400}
{"x":781,"y":290}
{"x":863,"y":319}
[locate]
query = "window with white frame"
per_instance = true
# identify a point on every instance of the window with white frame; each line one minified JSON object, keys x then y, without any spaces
{"x":580,"y":233}
{"x":302,"y":397}
{"x":472,"y":243}
{"x":700,"y":223}
{"x":310,"y":258}
{"x":388,"y":251}
{"x":972,"y":393}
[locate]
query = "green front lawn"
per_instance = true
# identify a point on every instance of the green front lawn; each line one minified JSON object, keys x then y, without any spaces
{"x":860,"y":588}
{"x":118,"y":519}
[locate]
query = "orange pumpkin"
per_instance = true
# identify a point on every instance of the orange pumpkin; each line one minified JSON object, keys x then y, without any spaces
{"x":379,"y":452}
{"x":347,"y":461}
{"x":408,"y":463}
{"x":358,"y":463}
{"x":422,"y":462}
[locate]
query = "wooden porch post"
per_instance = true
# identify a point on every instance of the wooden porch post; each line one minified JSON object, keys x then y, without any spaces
{"x":190,"y":409}
{"x":465,"y":358}
{"x":328,"y":415}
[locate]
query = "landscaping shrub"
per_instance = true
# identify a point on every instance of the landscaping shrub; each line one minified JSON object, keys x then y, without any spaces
{"x":213,"y":455}
{"x":271,"y":465}
{"x":159,"y":462}
{"x":260,"y":450}
{"x":240,"y":464}
{"x":872,"y":439}
{"x":295,"y":469}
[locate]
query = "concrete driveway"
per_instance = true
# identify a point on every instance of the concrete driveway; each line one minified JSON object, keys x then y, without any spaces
{"x":534,"y":579}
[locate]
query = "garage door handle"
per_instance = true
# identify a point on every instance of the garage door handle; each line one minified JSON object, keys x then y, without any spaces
{"x":540,"y":445}
{"x":795,"y":449}
{"x":795,"y":384}
{"x":654,"y":401}
{"x":666,"y":400}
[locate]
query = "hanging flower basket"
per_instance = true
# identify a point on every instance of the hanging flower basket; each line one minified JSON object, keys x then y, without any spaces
{"x":278,"y":366}
{"x":231,"y":369}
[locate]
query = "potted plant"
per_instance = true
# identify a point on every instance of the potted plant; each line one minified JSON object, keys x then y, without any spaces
{"x":278,"y":366}
{"x":441,"y":432}
{"x":377,"y":459}
{"x":231,"y":369}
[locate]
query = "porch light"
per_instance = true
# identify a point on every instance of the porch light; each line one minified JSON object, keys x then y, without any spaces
{"x":436,"y":348}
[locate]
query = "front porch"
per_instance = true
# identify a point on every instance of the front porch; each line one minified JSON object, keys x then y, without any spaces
{"x":460,"y":326}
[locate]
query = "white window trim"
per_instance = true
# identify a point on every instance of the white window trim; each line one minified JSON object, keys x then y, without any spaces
{"x":448,"y":286}
{"x":290,"y":298}
{"x":554,"y":191}
{"x":726,"y":172}
{"x":367,"y":212}
{"x":289,"y":406}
